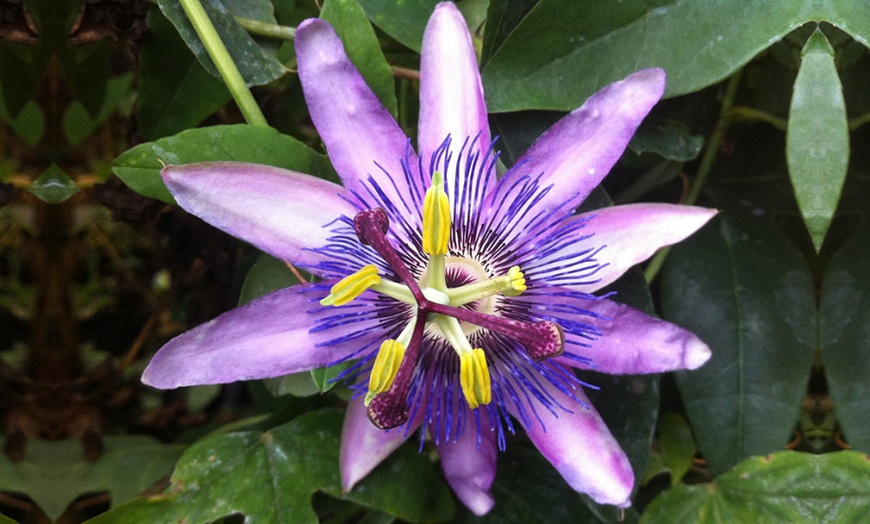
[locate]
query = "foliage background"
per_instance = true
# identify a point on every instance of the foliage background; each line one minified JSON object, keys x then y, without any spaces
{"x":765,"y":119}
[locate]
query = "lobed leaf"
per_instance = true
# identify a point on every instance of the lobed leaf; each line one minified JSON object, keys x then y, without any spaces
{"x":786,"y":486}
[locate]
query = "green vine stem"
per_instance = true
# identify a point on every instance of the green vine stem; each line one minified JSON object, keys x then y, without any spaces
{"x":710,"y":152}
{"x":224,"y":62}
{"x":265,"y":29}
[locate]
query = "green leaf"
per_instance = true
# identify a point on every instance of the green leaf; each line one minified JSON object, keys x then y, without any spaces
{"x":270,"y":477}
{"x":564,"y":50}
{"x":78,"y":124}
{"x":817,"y":142}
{"x":268,"y":274}
{"x":363,"y":48}
{"x":54,"y":473}
{"x":502,"y":17}
{"x":844,"y":319}
{"x":404,"y":20}
{"x":53,"y":186}
{"x":745,"y":291}
{"x":783,"y":487}
{"x":678,"y":445}
{"x":29,"y":123}
{"x":175,"y":91}
{"x":670,"y":140}
{"x":140,"y":166}
{"x":256,"y":63}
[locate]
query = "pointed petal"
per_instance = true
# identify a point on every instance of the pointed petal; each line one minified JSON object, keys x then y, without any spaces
{"x":578,"y":151}
{"x":620,"y":236}
{"x":356,"y":128}
{"x":628,"y":340}
{"x":632,"y":233}
{"x":280,"y":333}
{"x":583,"y":450}
{"x":451,"y":95}
{"x":636,"y":343}
{"x":279,"y":211}
{"x":469,"y":463}
{"x":363,"y":445}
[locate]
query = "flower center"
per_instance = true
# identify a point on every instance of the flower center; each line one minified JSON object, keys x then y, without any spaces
{"x":439,"y":310}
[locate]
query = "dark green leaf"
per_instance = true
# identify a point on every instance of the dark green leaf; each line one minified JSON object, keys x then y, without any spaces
{"x":78,"y":124}
{"x":783,"y":487}
{"x":53,"y":186}
{"x":363,"y":48}
{"x":844,"y":336}
{"x":670,"y":140}
{"x":404,"y":21}
{"x":564,"y":50}
{"x":257,"y":65}
{"x":817,"y":142}
{"x":501,"y":18}
{"x":87,"y":70}
{"x":140,"y":166}
{"x":29,"y":123}
{"x":175,"y":92}
{"x":527,"y":489}
{"x":54,"y":473}
{"x":747,"y":293}
{"x":23,"y":64}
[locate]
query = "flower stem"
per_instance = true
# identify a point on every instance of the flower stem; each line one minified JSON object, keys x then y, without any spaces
{"x":706,"y":163}
{"x":255,"y":27}
{"x":224,"y":62}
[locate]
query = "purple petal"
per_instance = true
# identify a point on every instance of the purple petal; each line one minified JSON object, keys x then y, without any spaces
{"x":363,"y":445}
{"x":628,"y":234}
{"x":451,"y":94}
{"x":578,"y":151}
{"x":469,"y":464}
{"x":583,"y":450}
{"x":269,"y":337}
{"x":631,"y":341}
{"x":356,"y":128}
{"x":279,"y":211}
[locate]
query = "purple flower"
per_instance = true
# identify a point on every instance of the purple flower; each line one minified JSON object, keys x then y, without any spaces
{"x":460,"y":300}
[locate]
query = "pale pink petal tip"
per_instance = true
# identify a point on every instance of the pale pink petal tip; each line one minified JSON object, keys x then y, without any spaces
{"x":697,"y":354}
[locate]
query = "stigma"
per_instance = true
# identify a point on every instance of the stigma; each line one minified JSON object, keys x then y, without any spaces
{"x":441,"y":311}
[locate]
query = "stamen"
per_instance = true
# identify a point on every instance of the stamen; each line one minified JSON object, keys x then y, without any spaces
{"x":352,"y":286}
{"x":513,"y":284}
{"x":474,"y":378}
{"x":517,"y":282}
{"x":436,"y":217}
{"x":390,"y":408}
{"x":371,"y":228}
{"x":385,"y":368}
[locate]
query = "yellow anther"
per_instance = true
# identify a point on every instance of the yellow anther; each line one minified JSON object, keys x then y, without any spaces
{"x":352,"y":286}
{"x":517,"y":283}
{"x":385,"y":368}
{"x":436,"y":217}
{"x":474,"y":378}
